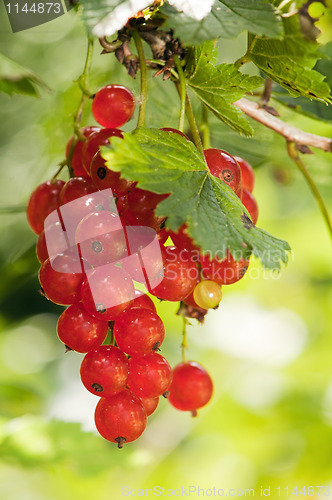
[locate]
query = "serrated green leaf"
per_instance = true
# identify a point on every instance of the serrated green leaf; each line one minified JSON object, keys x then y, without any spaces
{"x":15,"y":79}
{"x":216,"y":219}
{"x":227,"y":19}
{"x":289,"y":62}
{"x":219,"y":86}
{"x":94,"y":11}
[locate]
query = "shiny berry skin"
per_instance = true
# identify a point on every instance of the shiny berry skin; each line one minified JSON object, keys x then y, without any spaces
{"x":190,"y":301}
{"x":180,"y":275}
{"x":248,"y":174}
{"x":191,"y":387}
{"x":175,"y":131}
{"x":105,"y":178}
{"x":224,"y":166}
{"x":43,"y":200}
{"x":112,"y":292}
{"x":101,"y":238}
{"x":207,"y":294}
{"x":75,"y":188}
{"x":104,"y":371}
{"x":145,"y":264}
{"x":139,"y":331}
{"x":249,"y":201}
{"x":62,"y":286}
{"x":224,"y":272}
{"x":41,"y":248}
{"x":94,"y":141}
{"x":80,"y":331}
{"x":113,"y":106}
{"x":149,"y":405}
{"x":77,"y":161}
{"x":140,"y":208}
{"x":149,"y":376}
{"x":73,"y":212}
{"x":143,"y":301}
{"x":120,"y":418}
{"x":182,"y":240}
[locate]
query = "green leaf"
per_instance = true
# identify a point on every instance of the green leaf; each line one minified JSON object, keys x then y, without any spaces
{"x":227,"y":19}
{"x":219,"y":86}
{"x":15,"y":79}
{"x":217,"y":220}
{"x":289,"y":62}
{"x":94,"y":11}
{"x":38,"y":442}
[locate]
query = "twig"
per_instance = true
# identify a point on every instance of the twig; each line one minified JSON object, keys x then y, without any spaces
{"x":291,"y":134}
{"x":294,"y":155}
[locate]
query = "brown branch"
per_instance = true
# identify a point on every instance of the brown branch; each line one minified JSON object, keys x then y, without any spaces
{"x":291,"y":134}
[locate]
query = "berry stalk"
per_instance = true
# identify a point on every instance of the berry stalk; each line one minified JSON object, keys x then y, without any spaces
{"x":182,"y":91}
{"x":144,"y":86}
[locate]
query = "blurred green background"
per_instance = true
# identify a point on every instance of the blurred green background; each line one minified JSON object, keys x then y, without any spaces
{"x":268,"y":348}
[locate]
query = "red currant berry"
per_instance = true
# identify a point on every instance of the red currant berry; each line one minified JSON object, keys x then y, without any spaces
{"x":224,"y":272}
{"x":104,"y":371}
{"x":41,"y":248}
{"x":107,"y":292}
{"x":191,"y":387}
{"x":101,"y":238}
{"x":249,"y":201}
{"x":75,"y":188}
{"x":140,"y":208}
{"x":94,"y":141}
{"x":60,"y":280}
{"x":139,"y":331}
{"x":80,"y":331}
{"x":145,"y":264}
{"x":42,"y":202}
{"x":248,"y":174}
{"x":149,"y":376}
{"x":180,"y":276}
{"x":120,"y":418}
{"x":149,"y":405}
{"x":224,"y":166}
{"x":76,"y":161}
{"x":182,"y":240}
{"x":113,"y":106}
{"x":143,"y":301}
{"x":73,"y":212}
{"x":105,"y":178}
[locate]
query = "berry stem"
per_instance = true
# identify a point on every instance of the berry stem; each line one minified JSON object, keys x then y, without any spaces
{"x":184,"y":344}
{"x":192,"y":121}
{"x":144,"y":86}
{"x":205,"y":128}
{"x":183,"y":91}
{"x":83,"y":84}
{"x":61,"y":167}
{"x":294,"y":155}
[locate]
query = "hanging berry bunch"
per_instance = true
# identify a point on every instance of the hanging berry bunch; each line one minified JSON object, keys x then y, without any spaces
{"x":152,"y":213}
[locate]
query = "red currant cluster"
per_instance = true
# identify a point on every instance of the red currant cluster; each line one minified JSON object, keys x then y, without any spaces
{"x":92,"y":231}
